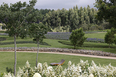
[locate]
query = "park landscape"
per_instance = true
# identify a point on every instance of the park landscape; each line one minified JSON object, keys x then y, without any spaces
{"x":43,"y":35}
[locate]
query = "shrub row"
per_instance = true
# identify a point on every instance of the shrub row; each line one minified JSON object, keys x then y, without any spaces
{"x":2,"y":38}
{"x":58,"y":35}
{"x":22,"y":42}
{"x":82,"y":69}
{"x":95,"y":40}
{"x":76,"y":51}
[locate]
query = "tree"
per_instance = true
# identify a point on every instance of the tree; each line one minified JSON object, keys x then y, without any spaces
{"x":37,"y":31}
{"x":16,"y":18}
{"x":110,"y":37}
{"x":77,"y":37}
{"x":106,"y":10}
{"x":70,"y":18}
{"x":75,"y":21}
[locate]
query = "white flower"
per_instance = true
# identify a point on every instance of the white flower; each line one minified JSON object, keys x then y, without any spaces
{"x":20,"y":71}
{"x":9,"y":75}
{"x":63,"y":73}
{"x":91,"y":69}
{"x":72,"y":70}
{"x":79,"y":68}
{"x":36,"y":75}
{"x":50,"y":68}
{"x":27,"y":64}
{"x":91,"y":75}
{"x":39,"y":67}
{"x":45,"y":65}
{"x":69,"y":63}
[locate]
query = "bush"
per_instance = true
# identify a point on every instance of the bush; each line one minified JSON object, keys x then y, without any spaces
{"x":77,"y":37}
{"x":9,"y":70}
{"x":82,"y":69}
{"x":110,"y":36}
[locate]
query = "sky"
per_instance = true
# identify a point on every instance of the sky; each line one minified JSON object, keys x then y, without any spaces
{"x":55,"y":4}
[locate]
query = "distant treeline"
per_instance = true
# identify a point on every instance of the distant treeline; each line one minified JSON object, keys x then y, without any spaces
{"x":68,"y":20}
{"x":63,"y":20}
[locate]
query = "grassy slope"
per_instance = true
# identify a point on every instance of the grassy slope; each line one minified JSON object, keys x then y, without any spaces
{"x":7,"y":59}
{"x":93,"y":46}
{"x":54,"y":43}
{"x":99,"y":35}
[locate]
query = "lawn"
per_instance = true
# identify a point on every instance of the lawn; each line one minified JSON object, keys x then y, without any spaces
{"x":7,"y":59}
{"x":92,"y":46}
{"x":56,"y":43}
{"x":99,"y":35}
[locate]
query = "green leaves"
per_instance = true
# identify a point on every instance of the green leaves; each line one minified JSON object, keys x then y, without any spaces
{"x":72,"y":18}
{"x":106,"y":10}
{"x":17,"y":17}
{"x":77,"y":37}
{"x":37,"y":31}
{"x":110,"y":37}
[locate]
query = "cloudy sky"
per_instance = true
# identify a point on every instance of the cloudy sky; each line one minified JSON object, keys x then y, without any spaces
{"x":56,"y":4}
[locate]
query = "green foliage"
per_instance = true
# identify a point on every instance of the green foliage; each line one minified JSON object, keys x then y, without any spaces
{"x":15,"y":15}
{"x":9,"y":70}
{"x":44,"y":70}
{"x":92,"y":27}
{"x":109,"y":37}
{"x":61,"y":29}
{"x":106,"y":10}
{"x":16,"y":18}
{"x":1,"y":75}
{"x":77,"y":37}
{"x":74,"y":18}
{"x":37,"y":31}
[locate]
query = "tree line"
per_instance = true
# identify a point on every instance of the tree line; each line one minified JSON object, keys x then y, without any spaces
{"x":63,"y":20}
{"x":68,"y":20}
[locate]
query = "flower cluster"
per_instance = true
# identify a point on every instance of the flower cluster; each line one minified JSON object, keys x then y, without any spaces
{"x":95,"y":40}
{"x":58,"y":35}
{"x":82,"y":69}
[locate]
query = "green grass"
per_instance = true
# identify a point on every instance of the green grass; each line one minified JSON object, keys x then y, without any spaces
{"x":51,"y":43}
{"x":93,"y":46}
{"x":7,"y":59}
{"x":99,"y":35}
{"x":65,"y":43}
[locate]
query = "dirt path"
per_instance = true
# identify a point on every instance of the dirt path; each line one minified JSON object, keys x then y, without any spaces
{"x":105,"y":57}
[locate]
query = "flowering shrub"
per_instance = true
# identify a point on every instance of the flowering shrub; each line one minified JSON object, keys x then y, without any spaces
{"x":82,"y":69}
{"x":95,"y":40}
{"x":58,"y":35}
